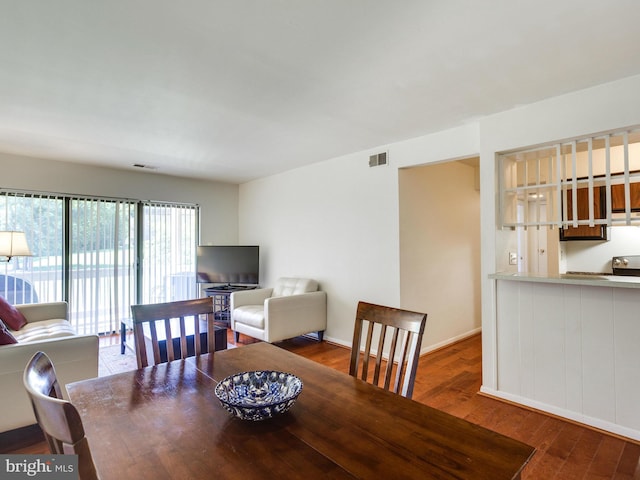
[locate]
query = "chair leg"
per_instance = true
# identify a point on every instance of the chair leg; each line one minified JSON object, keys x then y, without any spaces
{"x":320,"y":335}
{"x":237,"y":335}
{"x":123,"y":337}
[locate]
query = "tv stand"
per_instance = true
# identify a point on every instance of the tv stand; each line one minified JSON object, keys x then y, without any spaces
{"x":221,"y":295}
{"x":229,"y":287}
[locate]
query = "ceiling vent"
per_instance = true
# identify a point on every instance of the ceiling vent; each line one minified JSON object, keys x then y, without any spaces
{"x":378,"y":159}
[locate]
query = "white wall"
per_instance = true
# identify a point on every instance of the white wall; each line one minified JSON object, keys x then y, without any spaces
{"x":338,"y":222}
{"x":348,"y":215}
{"x":218,"y":201}
{"x":440,"y":248}
{"x":595,"y":256}
{"x":333,"y":222}
{"x":606,"y":107}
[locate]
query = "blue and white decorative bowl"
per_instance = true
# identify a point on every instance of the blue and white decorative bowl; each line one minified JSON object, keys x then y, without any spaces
{"x":258,"y":395}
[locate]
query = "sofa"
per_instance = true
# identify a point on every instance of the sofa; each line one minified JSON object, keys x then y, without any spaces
{"x":293,"y":307}
{"x":47,"y":329}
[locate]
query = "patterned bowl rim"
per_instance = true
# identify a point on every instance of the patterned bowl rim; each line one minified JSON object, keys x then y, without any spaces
{"x":240,"y":404}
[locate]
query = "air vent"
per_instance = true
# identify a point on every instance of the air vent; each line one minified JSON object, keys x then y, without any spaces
{"x":378,"y":159}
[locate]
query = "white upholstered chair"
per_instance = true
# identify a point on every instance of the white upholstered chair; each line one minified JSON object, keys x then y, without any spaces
{"x":293,"y":307}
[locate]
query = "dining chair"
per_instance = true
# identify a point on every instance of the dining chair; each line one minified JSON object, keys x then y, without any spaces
{"x":57,"y":417}
{"x":406,"y":328}
{"x":180,"y":322}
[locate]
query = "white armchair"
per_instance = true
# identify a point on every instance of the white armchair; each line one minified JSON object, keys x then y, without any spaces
{"x":293,"y":307}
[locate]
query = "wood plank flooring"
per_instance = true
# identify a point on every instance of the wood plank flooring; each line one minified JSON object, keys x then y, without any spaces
{"x":450,"y":379}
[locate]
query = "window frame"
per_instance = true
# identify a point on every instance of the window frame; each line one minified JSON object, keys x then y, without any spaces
{"x":138,"y":206}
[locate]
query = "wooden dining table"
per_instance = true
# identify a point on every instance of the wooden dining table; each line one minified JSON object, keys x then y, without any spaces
{"x":165,"y":422}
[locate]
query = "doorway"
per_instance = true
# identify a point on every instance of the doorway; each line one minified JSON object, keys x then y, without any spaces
{"x":533,"y":248}
{"x":440,"y":248}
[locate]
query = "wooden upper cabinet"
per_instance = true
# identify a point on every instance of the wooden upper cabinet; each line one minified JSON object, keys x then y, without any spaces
{"x":585,"y":232}
{"x":617,"y":197}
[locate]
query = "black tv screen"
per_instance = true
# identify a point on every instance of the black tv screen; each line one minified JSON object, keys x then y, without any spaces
{"x":239,"y":264}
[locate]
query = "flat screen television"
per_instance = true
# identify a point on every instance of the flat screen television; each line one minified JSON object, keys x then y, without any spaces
{"x":228,"y":264}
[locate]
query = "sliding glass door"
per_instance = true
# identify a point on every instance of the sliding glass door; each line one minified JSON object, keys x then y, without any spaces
{"x":38,"y":278}
{"x":169,"y":240}
{"x":101,"y":255}
{"x":101,"y":263}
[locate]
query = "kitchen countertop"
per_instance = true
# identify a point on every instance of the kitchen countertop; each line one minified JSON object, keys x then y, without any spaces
{"x":587,"y":279}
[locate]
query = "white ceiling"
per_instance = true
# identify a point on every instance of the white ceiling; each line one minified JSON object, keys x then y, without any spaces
{"x":235,"y":90}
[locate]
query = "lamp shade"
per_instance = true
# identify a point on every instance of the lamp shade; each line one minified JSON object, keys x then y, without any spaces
{"x":13,"y":244}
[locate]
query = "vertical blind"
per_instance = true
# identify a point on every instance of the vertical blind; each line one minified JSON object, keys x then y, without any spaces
{"x":169,"y":240}
{"x":102,"y":255}
{"x":37,"y":278}
{"x":102,"y":261}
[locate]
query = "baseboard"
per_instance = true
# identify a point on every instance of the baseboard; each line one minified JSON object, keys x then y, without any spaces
{"x":449,"y":341}
{"x":335,"y":341}
{"x":602,"y":426}
{"x":20,"y":438}
{"x":423,"y":350}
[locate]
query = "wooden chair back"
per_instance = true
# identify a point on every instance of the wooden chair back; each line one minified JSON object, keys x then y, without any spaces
{"x":57,"y":417}
{"x":406,"y":330}
{"x":176,"y":313}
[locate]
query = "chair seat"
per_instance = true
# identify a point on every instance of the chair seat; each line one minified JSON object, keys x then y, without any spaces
{"x":252,"y":315}
{"x":44,"y":330}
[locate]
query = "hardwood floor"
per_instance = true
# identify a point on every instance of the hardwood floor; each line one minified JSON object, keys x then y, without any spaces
{"x":449,"y":380}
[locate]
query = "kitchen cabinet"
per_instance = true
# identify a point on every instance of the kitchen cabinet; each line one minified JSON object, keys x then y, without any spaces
{"x":617,"y":197}
{"x":585,"y":232}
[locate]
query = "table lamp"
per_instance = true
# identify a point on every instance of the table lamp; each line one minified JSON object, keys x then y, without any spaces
{"x":13,"y":244}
